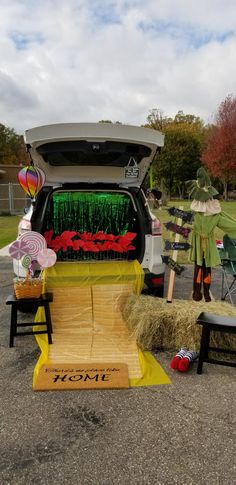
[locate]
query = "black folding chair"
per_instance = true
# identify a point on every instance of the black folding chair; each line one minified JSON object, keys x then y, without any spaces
{"x":228,"y":263}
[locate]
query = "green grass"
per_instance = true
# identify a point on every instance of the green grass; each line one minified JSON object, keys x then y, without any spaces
{"x":8,"y":229}
{"x":162,"y":214}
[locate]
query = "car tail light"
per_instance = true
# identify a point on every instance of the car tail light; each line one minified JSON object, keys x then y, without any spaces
{"x":24,"y":226}
{"x":156,"y":227}
{"x":157,"y":281}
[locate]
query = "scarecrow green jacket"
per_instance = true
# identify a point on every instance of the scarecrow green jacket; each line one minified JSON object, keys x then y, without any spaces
{"x":203,"y":239}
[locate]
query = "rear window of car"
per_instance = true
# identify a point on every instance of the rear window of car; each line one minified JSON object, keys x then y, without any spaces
{"x":82,"y":153}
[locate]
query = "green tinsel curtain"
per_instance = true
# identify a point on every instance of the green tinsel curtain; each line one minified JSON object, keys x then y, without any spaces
{"x":90,"y":212}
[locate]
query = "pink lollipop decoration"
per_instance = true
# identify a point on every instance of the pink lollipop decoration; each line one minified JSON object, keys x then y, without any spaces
{"x":18,"y":249}
{"x":46,"y":258}
{"x":35,"y":242}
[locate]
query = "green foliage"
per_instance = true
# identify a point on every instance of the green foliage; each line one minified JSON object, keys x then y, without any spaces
{"x":181,"y":155}
{"x":157,"y":120}
{"x":112,"y":122}
{"x":12,"y":148}
{"x":190,"y":122}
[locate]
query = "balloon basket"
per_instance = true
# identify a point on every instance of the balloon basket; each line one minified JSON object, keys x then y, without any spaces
{"x":28,"y":288}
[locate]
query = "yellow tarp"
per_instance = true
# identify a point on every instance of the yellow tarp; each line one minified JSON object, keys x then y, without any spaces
{"x":87,"y":319}
{"x":99,"y":273}
{"x":152,"y":373}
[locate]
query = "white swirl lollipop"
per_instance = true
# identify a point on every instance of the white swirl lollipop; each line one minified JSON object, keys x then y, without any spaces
{"x":46,"y":258}
{"x":26,"y":261}
{"x":35,"y":242}
{"x":18,"y":249}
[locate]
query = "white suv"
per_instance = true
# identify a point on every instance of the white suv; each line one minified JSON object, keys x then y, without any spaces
{"x":94,"y":176}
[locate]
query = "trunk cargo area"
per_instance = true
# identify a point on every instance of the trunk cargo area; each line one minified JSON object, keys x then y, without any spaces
{"x":93,"y":225}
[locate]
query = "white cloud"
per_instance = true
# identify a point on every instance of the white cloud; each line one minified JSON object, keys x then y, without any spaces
{"x":87,"y":61}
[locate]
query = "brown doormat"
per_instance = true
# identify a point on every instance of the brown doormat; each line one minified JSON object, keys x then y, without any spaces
{"x":82,"y":376}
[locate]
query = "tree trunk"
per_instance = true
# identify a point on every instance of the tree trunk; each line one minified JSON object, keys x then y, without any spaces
{"x":164,"y":197}
{"x":225,"y":190}
{"x":181,"y":191}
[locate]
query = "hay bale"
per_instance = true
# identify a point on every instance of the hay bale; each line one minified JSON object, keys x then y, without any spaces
{"x":157,"y":324}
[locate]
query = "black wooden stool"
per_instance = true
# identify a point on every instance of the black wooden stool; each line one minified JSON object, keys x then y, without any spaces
{"x":43,"y":301}
{"x":210,"y":322}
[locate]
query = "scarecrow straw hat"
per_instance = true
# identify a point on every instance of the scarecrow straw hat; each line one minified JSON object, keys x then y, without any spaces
{"x":201,"y":189}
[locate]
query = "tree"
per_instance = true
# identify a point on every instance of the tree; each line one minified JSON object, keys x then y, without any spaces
{"x":219,"y":154}
{"x":180,"y":157}
{"x":178,"y":160}
{"x":112,"y":122}
{"x":157,"y":121}
{"x":12,"y":147}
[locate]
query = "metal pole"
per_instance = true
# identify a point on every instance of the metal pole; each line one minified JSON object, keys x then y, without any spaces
{"x":10,"y":198}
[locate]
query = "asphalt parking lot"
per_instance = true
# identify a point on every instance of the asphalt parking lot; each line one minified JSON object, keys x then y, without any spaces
{"x":179,"y":433}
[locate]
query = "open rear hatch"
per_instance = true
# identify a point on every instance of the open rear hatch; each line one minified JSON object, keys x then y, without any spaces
{"x":93,"y":152}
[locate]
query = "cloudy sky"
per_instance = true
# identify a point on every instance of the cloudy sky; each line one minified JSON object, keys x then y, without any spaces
{"x":88,"y":60}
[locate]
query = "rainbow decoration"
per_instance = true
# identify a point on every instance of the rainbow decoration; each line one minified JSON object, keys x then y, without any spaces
{"x":31,"y":180}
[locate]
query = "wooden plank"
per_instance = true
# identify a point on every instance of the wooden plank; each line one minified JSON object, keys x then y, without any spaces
{"x":171,"y":281}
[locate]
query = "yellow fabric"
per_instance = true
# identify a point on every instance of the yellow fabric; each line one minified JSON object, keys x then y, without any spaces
{"x":88,"y":325}
{"x":87,"y":319}
{"x":97,"y":273}
{"x":42,"y":341}
{"x":152,"y":372}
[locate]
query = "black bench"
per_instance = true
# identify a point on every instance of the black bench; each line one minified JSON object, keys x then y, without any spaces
{"x":210,"y":322}
{"x":16,"y":304}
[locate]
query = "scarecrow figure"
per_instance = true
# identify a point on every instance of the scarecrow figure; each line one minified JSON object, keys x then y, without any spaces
{"x":208,"y":215}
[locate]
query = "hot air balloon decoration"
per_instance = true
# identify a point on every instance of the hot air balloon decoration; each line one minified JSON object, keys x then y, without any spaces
{"x":31,"y":180}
